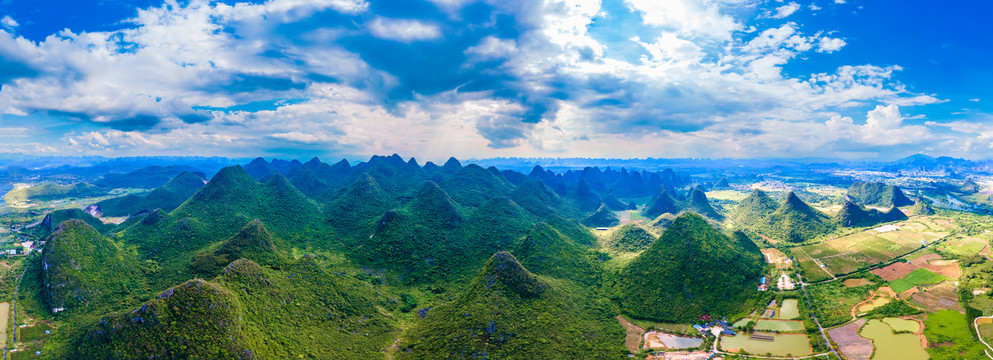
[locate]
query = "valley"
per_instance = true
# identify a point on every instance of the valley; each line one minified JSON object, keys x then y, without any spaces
{"x":389,"y":258}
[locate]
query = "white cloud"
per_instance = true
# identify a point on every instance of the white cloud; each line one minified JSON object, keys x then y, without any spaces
{"x":839,"y":1}
{"x":974,"y":99}
{"x":782,"y":12}
{"x":8,"y":22}
{"x":814,"y":7}
{"x":403,"y":30}
{"x":830,"y":45}
{"x":492,"y":47}
{"x":689,"y":18}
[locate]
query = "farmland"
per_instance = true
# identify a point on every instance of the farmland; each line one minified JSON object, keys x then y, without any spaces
{"x":915,"y":278}
{"x":857,"y":251}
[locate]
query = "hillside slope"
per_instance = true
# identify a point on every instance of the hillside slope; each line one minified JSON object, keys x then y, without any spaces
{"x":692,"y":270}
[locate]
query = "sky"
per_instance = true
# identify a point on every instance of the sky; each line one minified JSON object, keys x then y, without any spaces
{"x":843,"y":79}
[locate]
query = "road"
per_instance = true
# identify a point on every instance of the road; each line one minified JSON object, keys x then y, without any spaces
{"x":13,"y":312}
{"x":803,"y":286}
{"x":975,"y":323}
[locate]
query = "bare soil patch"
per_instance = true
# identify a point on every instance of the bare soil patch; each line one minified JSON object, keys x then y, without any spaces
{"x":856,"y":282}
{"x":895,"y":271}
{"x":632,"y":339}
{"x":940,"y":297}
{"x":853,"y":346}
{"x":949,"y":268}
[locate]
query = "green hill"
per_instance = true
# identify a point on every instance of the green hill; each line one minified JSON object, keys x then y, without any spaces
{"x":253,"y":242}
{"x":631,"y":237}
{"x":218,"y":211}
{"x":549,"y":252}
{"x":305,"y":180}
{"x":251,"y":312}
{"x":356,"y":211}
{"x":795,"y":221}
{"x":852,"y":215}
{"x":661,"y":203}
{"x":509,"y":313}
{"x":722,"y":184}
{"x":259,"y":169}
{"x":922,"y":207}
{"x":166,"y":197}
{"x":877,"y":194}
{"x":692,"y":270}
{"x":84,"y":271}
{"x":602,"y":217}
{"x":699,"y":204}
{"x":146,"y":178}
{"x":49,"y":191}
{"x":753,"y":209}
{"x":194,"y":320}
{"x":52,"y":220}
{"x":496,"y":225}
{"x":538,"y":199}
{"x":473,"y":185}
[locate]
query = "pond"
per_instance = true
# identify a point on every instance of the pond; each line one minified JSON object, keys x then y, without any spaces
{"x":783,"y":345}
{"x":779,"y":325}
{"x":790,"y":309}
{"x":659,"y":340}
{"x":892,"y":346}
{"x":898,"y":324}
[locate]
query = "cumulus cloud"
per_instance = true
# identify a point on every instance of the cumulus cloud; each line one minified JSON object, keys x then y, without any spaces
{"x":830,"y":45}
{"x":521,"y":77}
{"x":8,"y":22}
{"x":784,"y":11}
{"x":403,"y":30}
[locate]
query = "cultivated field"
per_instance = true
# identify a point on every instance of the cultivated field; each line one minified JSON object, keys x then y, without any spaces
{"x":915,"y":278}
{"x":859,"y":250}
{"x":853,"y":346}
{"x":4,"y":313}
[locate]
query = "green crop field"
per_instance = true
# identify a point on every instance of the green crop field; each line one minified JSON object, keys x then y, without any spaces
{"x":850,"y":253}
{"x":951,"y":329}
{"x":915,"y":278}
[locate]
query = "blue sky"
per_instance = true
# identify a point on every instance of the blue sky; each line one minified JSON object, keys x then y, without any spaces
{"x":475,"y":79}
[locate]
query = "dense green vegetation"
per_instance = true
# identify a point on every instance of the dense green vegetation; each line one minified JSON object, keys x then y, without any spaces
{"x":84,"y":271}
{"x":793,"y":220}
{"x":664,"y":203}
{"x":167,"y":197}
{"x":922,"y":207}
{"x":852,"y":215}
{"x":692,"y":270}
{"x":219,"y":210}
{"x":253,"y":242}
{"x":948,"y":331}
{"x":509,"y":313}
{"x":878,"y":194}
{"x":895,"y":308}
{"x":50,"y":191}
{"x":631,"y":237}
{"x":149,"y":177}
{"x":52,"y":220}
{"x":833,"y":301}
{"x":602,"y":217}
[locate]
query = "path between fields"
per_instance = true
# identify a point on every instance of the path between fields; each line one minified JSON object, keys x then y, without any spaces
{"x":819,"y":264}
{"x":633,"y":334}
{"x":975,"y":323}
